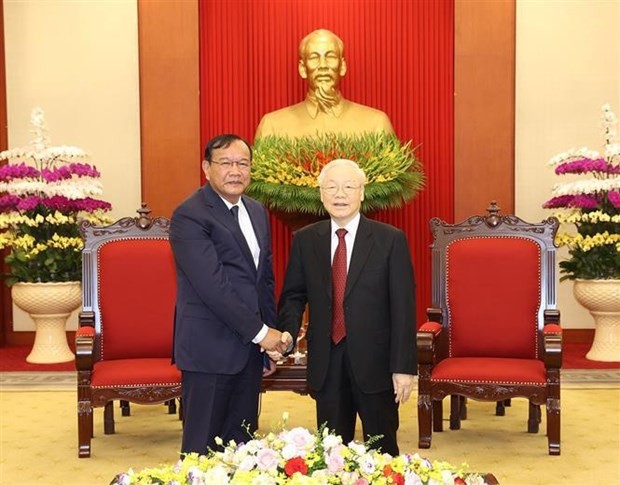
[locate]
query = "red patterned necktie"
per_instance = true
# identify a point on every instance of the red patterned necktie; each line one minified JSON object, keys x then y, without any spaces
{"x":339,"y":281}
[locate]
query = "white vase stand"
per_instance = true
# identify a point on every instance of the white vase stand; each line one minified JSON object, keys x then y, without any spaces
{"x":49,"y":305}
{"x":606,"y":344}
{"x":50,"y":341}
{"x":602,"y":299}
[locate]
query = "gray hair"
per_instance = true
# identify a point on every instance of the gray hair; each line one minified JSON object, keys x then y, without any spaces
{"x":342,"y":162}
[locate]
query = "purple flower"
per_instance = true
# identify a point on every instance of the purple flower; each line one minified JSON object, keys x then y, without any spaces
{"x":575,"y":201}
{"x":8,"y":203}
{"x":587,"y":165}
{"x":67,"y":171}
{"x":84,"y":170}
{"x":19,"y":171}
{"x":28,"y":203}
{"x":614,"y":197}
{"x":65,"y":205}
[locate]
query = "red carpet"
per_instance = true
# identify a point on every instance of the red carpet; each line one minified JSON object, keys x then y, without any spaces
{"x":575,"y":358}
{"x":13,"y":359}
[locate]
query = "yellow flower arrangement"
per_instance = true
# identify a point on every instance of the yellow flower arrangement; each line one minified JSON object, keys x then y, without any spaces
{"x":284,"y":170}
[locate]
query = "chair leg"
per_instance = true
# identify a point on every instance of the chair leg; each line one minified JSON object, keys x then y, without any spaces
{"x":85,"y":428}
{"x":438,"y":416}
{"x":507,"y":403}
{"x":553,"y":425}
{"x":425,"y":418}
{"x":500,"y":410}
{"x":463,"y":407}
{"x":533,"y":420}
{"x":172,"y":406}
{"x":108,"y":418}
{"x":125,"y":409}
{"x":455,"y":412}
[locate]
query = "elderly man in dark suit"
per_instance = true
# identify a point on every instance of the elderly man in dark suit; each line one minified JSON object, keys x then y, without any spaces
{"x":225,"y":305}
{"x":357,"y":277}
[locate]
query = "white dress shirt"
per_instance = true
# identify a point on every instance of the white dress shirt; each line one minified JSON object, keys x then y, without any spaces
{"x":349,"y":237}
{"x":245,"y":223}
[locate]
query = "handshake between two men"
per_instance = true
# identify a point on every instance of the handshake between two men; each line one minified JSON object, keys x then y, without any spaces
{"x":276,"y":344}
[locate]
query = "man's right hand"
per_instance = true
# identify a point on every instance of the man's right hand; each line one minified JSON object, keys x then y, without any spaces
{"x":273,"y":341}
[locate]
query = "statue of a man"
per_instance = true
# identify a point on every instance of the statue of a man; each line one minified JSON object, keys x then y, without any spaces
{"x":322,"y":63}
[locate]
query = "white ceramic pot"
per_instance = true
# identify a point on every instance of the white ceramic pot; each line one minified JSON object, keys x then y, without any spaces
{"x":49,"y":305}
{"x":602,"y":299}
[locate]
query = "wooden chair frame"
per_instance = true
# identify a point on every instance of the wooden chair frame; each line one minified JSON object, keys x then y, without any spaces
{"x":433,"y":336}
{"x":88,"y":336}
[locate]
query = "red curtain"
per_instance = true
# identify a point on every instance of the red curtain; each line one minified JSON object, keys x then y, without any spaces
{"x":400,"y":59}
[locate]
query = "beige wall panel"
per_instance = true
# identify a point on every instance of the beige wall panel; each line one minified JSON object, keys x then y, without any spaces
{"x":79,"y":62}
{"x":568,"y":66}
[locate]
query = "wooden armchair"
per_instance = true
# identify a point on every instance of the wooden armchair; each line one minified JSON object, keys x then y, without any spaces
{"x":493,"y":331}
{"x":124,"y":339}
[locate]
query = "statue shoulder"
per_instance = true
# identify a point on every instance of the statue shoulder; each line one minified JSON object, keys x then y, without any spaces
{"x":278,"y":121}
{"x":369,"y":118}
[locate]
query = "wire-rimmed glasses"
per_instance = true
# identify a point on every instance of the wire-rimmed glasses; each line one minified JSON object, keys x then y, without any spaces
{"x":244,"y":165}
{"x":348,"y":188}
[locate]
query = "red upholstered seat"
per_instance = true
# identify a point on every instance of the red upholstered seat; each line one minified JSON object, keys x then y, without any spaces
{"x":124,"y":342}
{"x":493,"y":332}
{"x":134,"y":373}
{"x":490,"y":370}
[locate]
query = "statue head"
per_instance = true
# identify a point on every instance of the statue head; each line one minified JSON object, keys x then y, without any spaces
{"x":321,"y":62}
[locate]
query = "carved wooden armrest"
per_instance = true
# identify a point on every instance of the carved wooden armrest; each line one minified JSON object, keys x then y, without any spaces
{"x":434,"y":315}
{"x":551,"y":316}
{"x":86,"y":319}
{"x":426,"y":339}
{"x":552,"y":343}
{"x":84,"y":346}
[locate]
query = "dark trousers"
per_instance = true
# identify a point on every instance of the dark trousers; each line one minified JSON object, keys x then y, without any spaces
{"x":341,"y":400}
{"x":220,"y":405}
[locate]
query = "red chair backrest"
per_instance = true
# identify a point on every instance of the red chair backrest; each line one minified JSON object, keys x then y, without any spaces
{"x":493,"y":288}
{"x":136,"y":294}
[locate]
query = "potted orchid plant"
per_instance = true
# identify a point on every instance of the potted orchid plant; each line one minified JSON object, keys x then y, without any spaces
{"x":45,"y":191}
{"x":592,"y":206}
{"x":589,"y":208}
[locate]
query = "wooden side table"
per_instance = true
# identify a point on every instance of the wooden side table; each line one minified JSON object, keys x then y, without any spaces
{"x":289,"y":376}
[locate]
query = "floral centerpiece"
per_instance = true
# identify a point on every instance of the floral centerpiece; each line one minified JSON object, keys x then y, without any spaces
{"x":592,"y":205}
{"x":284,"y":170}
{"x":298,"y":456}
{"x":44,"y":192}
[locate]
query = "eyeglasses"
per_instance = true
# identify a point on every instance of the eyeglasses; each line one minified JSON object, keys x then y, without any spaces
{"x":243,"y":165}
{"x":346,"y":188}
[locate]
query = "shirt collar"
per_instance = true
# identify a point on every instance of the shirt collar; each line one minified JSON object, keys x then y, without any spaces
{"x":312,"y":107}
{"x":229,"y":205}
{"x":351,"y":227}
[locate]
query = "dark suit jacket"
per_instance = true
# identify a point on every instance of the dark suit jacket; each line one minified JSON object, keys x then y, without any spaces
{"x":379,"y":303}
{"x":222,"y":298}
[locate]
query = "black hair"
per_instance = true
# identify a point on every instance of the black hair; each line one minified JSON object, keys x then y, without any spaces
{"x":223,"y":141}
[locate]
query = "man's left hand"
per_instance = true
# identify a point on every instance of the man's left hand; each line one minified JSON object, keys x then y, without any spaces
{"x":271,"y":370}
{"x":403,"y":385}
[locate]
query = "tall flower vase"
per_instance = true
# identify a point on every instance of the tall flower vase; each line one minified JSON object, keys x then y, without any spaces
{"x":49,"y":306}
{"x":602,"y":299}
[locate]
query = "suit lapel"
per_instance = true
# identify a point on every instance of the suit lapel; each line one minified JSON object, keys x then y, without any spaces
{"x":260,"y":231}
{"x":361,"y":251}
{"x":223,"y":215}
{"x":322,"y":249}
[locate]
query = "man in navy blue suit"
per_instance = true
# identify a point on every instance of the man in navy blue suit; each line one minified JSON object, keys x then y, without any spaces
{"x":225,"y":307}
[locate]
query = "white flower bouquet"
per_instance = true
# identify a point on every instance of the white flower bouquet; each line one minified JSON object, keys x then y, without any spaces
{"x":298,"y":456}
